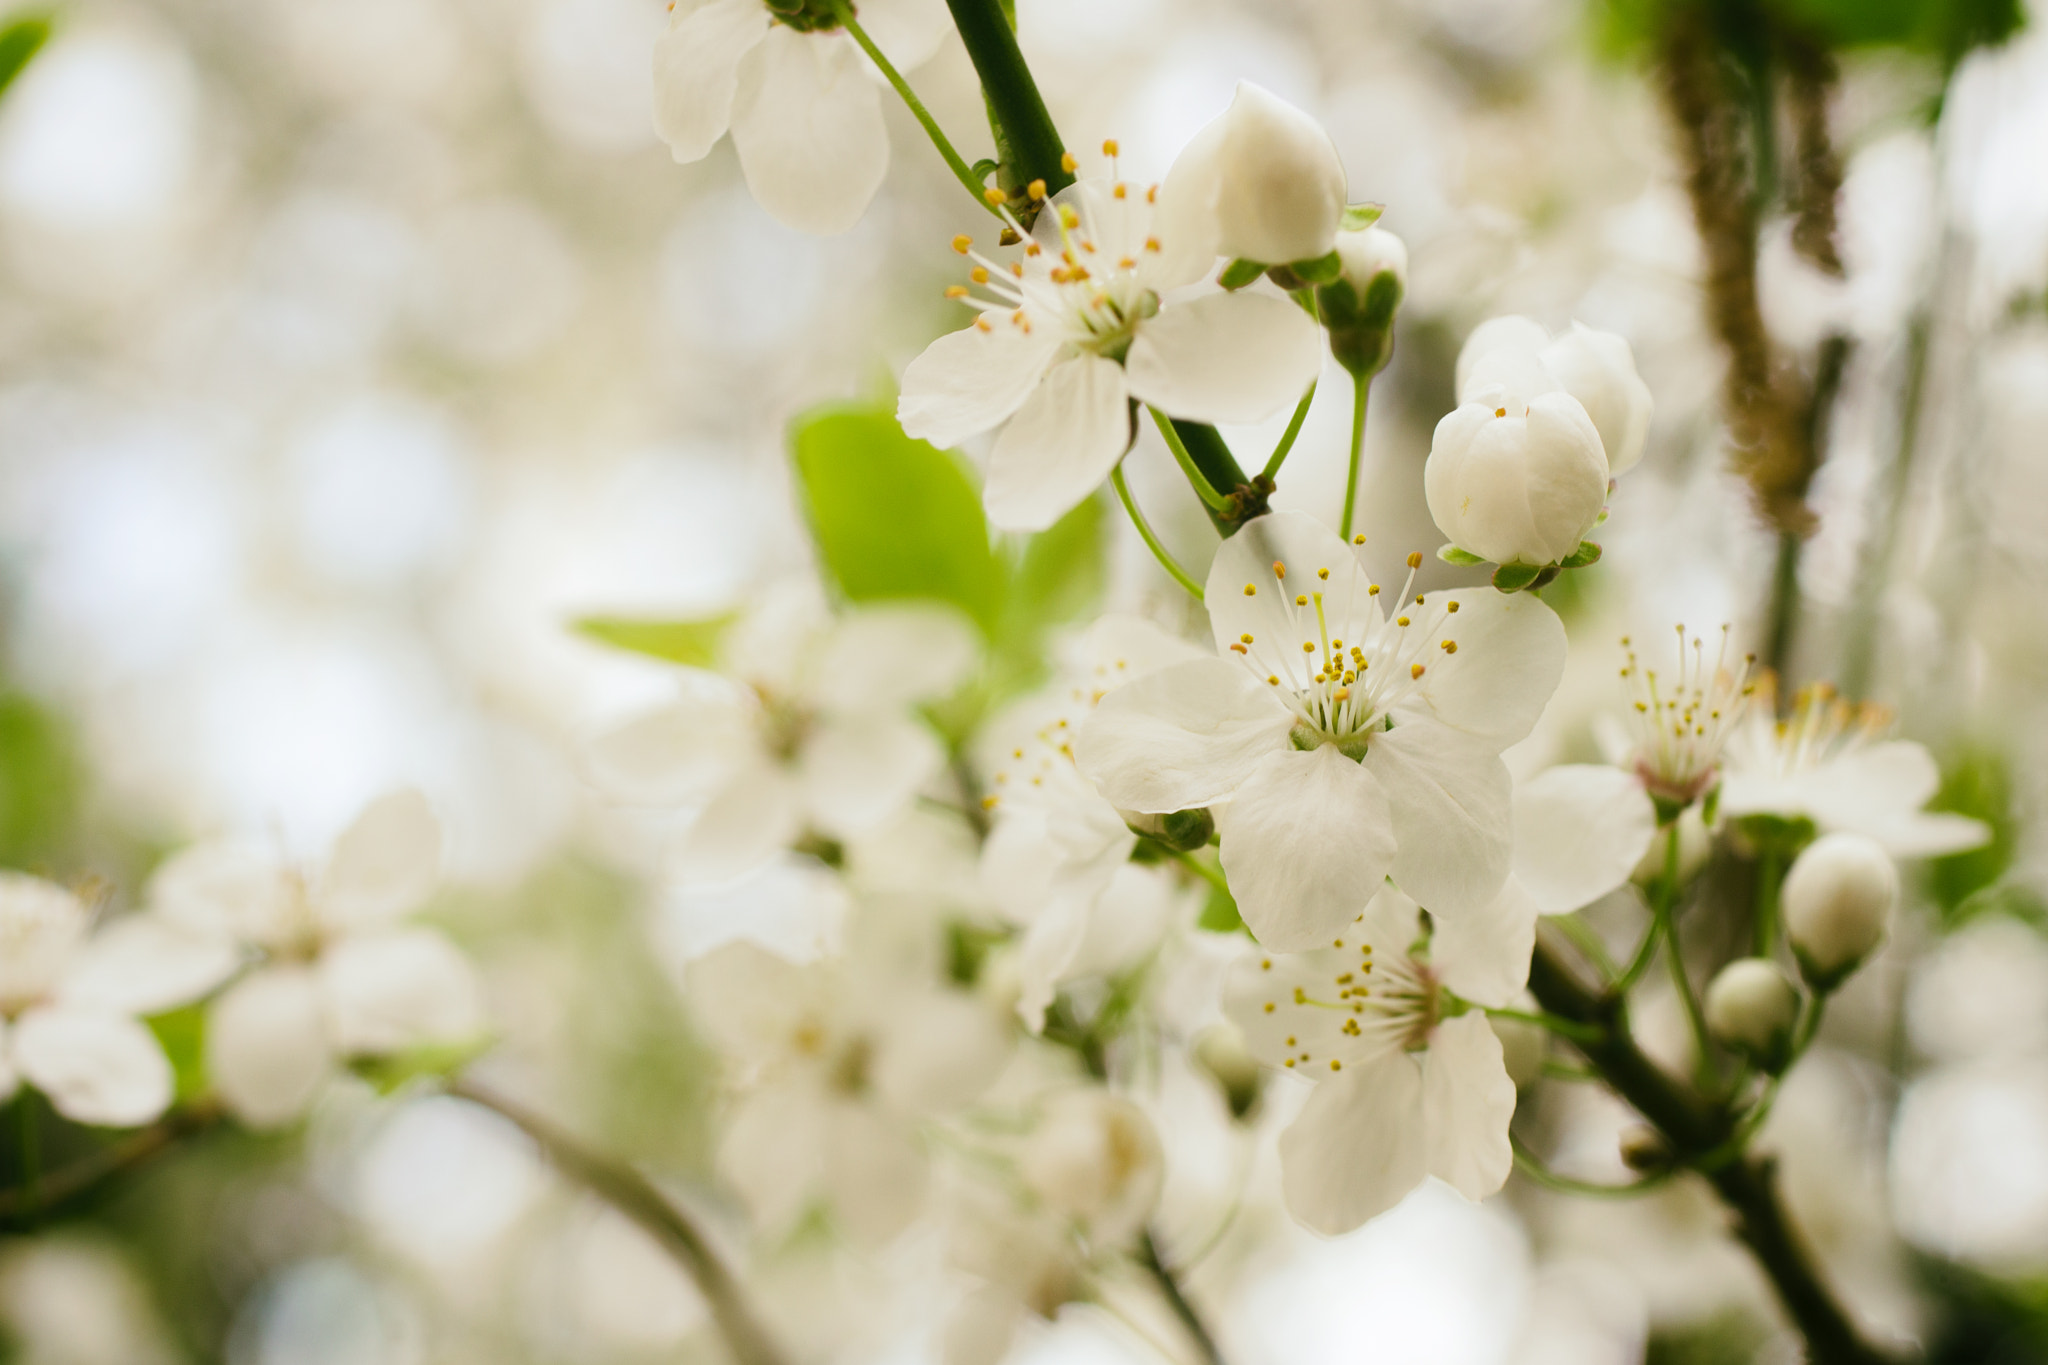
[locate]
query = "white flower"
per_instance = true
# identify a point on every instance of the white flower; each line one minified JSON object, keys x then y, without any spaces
{"x":1752,"y":1004}
{"x":813,"y":731}
{"x":1081,"y":322}
{"x":340,"y":975}
{"x":803,"y":107}
{"x":68,"y":1001}
{"x":1580,"y":831}
{"x":1351,"y":743}
{"x":1094,"y":1158}
{"x":1057,"y":849}
{"x":1402,"y":1092}
{"x":1827,"y":763}
{"x":1676,"y":724}
{"x":1516,"y":480}
{"x":1513,"y":357}
{"x":838,"y":1064}
{"x":1838,"y":905}
{"x":1263,"y":181}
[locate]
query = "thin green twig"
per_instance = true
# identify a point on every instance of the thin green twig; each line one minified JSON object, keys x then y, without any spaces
{"x":1563,"y":1028}
{"x":1768,"y":879}
{"x":1587,"y":941}
{"x":1361,"y":389}
{"x":1530,"y":1165}
{"x":1280,"y":452}
{"x":1203,"y":488}
{"x":1212,"y":875}
{"x":1663,"y":903}
{"x":1159,"y":551}
{"x":954,"y":161}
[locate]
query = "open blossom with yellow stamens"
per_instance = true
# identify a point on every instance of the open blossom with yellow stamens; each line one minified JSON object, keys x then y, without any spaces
{"x":1081,"y":318}
{"x":1354,"y":733}
{"x":1407,"y":1087}
{"x":1683,"y":718}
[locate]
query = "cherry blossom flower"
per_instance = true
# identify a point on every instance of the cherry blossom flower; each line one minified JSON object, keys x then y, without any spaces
{"x":1263,"y":181}
{"x":1406,"y":1087}
{"x":1085,"y":318}
{"x":1677,"y":723}
{"x":1341,"y":740}
{"x":1514,"y":357}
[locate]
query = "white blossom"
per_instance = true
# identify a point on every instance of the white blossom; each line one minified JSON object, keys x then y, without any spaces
{"x":1516,"y":480}
{"x":1838,"y":904}
{"x":1752,"y":1004}
{"x":1676,"y":723}
{"x":1514,"y":358}
{"x":1341,"y":740}
{"x":1263,"y":182}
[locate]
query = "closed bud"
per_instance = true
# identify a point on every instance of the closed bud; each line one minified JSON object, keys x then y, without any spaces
{"x":1644,"y":1149}
{"x":1358,"y":307}
{"x":1598,"y":368}
{"x":1838,"y":901}
{"x":1752,"y":1006}
{"x":1516,"y":482}
{"x":1265,"y":178}
{"x":1183,"y":831}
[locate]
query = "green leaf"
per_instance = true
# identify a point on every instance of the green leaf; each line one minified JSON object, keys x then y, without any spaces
{"x":1451,"y":554}
{"x":1515,"y":577}
{"x":1359,"y":217}
{"x":1977,"y":785}
{"x":1219,"y":914}
{"x":894,"y":518}
{"x":694,"y":643}
{"x":390,"y":1073}
{"x":1062,"y":573}
{"x":182,"y":1035}
{"x":1587,"y":553}
{"x":1321,"y":270}
{"x":1240,"y":273}
{"x":19,"y":43}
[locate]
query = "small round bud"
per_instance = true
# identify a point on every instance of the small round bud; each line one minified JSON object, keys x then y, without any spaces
{"x":1264,"y":178}
{"x":1183,"y":831}
{"x":1752,"y":1006}
{"x":1358,"y":307}
{"x":1838,"y":901}
{"x":1516,"y":482}
{"x":1644,"y":1149}
{"x":1221,"y":1052}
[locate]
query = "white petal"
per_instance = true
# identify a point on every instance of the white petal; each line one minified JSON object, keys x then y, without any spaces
{"x":969,"y":381}
{"x":1468,"y":1101}
{"x":1484,"y":957}
{"x":1599,"y":370}
{"x":1046,"y":951}
{"x":875,"y":1173}
{"x":748,"y":999}
{"x":384,"y":864}
{"x":1303,"y":1032}
{"x":907,"y":31}
{"x":1060,"y":446}
{"x":857,"y":771}
{"x":675,"y":753}
{"x":1453,"y":815}
{"x":1511,"y":653}
{"x":94,"y":1066}
{"x":1580,"y":830}
{"x":1510,"y":333}
{"x":696,"y":70}
{"x":807,"y":123}
{"x":1305,"y":547}
{"x":1359,"y":1145}
{"x":1185,"y":220}
{"x":757,"y":812}
{"x":773,"y":1153}
{"x":1872,"y":785}
{"x":389,"y":991}
{"x":267,"y":1048}
{"x":145,"y":964}
{"x":1307,"y":841}
{"x":1181,"y":737}
{"x":1120,"y":647}
{"x":893,"y":656}
{"x":1924,"y":834}
{"x":224,"y":888}
{"x":936,"y":1051}
{"x":1226,"y":357}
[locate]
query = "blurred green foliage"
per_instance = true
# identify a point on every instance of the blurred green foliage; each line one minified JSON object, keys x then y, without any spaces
{"x":694,"y":643}
{"x":1966,"y":885}
{"x":41,"y":784}
{"x":20,"y":39}
{"x":1942,"y":29}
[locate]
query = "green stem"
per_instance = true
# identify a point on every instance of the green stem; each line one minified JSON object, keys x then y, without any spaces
{"x":1159,"y":552}
{"x":1170,"y":1290}
{"x":1665,"y":899}
{"x":1280,"y":452}
{"x":1196,"y":478}
{"x":1211,"y":453}
{"x":1784,"y":609}
{"x":1587,"y":942}
{"x":1768,"y":878}
{"x":1646,"y":953}
{"x":1212,"y":875}
{"x":1032,"y":146}
{"x":31,"y":1157}
{"x":954,"y":161}
{"x":1563,"y":1028}
{"x":1530,"y":1165}
{"x":52,"y":1190}
{"x":1359,"y":390}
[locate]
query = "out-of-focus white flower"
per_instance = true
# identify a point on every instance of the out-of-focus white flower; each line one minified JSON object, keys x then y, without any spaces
{"x":1056,"y":846}
{"x":1094,"y":1158}
{"x":1350,"y":742}
{"x":1402,"y":1092}
{"x":838,"y":1063}
{"x":1580,"y":831}
{"x":341,"y":973}
{"x":1752,"y":1004}
{"x":68,"y":1001}
{"x":1676,"y":724}
{"x":1026,"y":1258}
{"x":1838,"y":905}
{"x":1512,"y":358}
{"x":811,"y":731}
{"x":1079,"y":322}
{"x":1827,"y":763}
{"x":802,"y":103}
{"x":1263,"y":182}
{"x":1516,"y":481}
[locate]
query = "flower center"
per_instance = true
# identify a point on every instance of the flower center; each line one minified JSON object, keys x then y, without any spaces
{"x":1682,"y":727}
{"x":1821,"y":729}
{"x":1395,"y":1001}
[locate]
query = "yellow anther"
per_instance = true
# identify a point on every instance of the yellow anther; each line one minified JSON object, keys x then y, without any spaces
{"x":1341,"y":694}
{"x":1336,"y":1065}
{"x":1269,"y":1008}
{"x":1109,"y":146}
{"x":1418,"y":599}
{"x":1246,"y":637}
{"x":1500,"y":412}
{"x":956,"y":291}
{"x":1415,"y":671}
{"x":1120,"y":191}
{"x":1415,"y":559}
{"x":1127,"y":263}
{"x":1279,"y":569}
{"x":994,"y":196}
{"x":1238,"y":647}
{"x":1152,"y":197}
{"x":1452,"y":606}
{"x":1250,"y":591}
{"x":979,"y":274}
{"x":1308,"y":646}
{"x":1400,"y":620}
{"x":1036,"y":189}
{"x":1450,"y":646}
{"x":1372,"y":590}
{"x":1301,"y":599}
{"x":1152,"y":243}
{"x":1322,"y":573}
{"x":963,"y":243}
{"x":1068,"y":218}
{"x":1273,"y":679}
{"x":1067,"y":162}
{"x":1337,"y":644}
{"x":989,"y":802}
{"x":983,"y":323}
{"x":1266,"y":964}
{"x":1358,"y":539}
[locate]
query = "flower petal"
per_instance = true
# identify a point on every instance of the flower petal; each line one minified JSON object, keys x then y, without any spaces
{"x":1510,"y":333}
{"x":145,"y":964}
{"x":875,"y":1173}
{"x":696,"y":71}
{"x":1511,"y":653}
{"x":969,"y":381}
{"x":758,"y":812}
{"x":267,"y":1050}
{"x":1485,"y":956}
{"x":1047,"y":949}
{"x":389,"y":991}
{"x":1181,"y":737}
{"x":772,"y":1152}
{"x":935,"y":1050}
{"x":1294,"y":1008}
{"x":807,"y":123}
{"x":1580,"y":830}
{"x":94,"y":1066}
{"x":1305,"y":547}
{"x":1060,"y":446}
{"x":672,"y":754}
{"x":1468,"y":1101}
{"x":893,"y":656}
{"x":1307,"y":841}
{"x":857,"y":771}
{"x":907,"y":31}
{"x":384,"y":864}
{"x":1453,"y":817}
{"x":224,"y":888}
{"x":1225,"y":357}
{"x":1359,"y":1145}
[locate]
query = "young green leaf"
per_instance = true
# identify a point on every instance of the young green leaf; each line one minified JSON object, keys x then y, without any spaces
{"x":694,"y":643}
{"x":1451,"y":554}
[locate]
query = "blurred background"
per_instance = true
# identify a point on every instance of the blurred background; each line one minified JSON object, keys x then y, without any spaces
{"x":351,"y":349}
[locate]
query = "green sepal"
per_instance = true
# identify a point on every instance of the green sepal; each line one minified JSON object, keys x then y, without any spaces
{"x":1321,"y":270}
{"x":1515,"y":577}
{"x":1587,"y":553}
{"x":1240,"y":273}
{"x":1359,"y":217}
{"x":391,"y":1072}
{"x":692,"y":643}
{"x":1451,"y":554}
{"x":1220,"y":914}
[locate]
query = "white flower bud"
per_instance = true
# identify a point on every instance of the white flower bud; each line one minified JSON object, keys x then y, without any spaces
{"x":1265,"y":177}
{"x":1372,"y":252}
{"x":1519,"y":484}
{"x":1599,"y":370}
{"x":1752,"y":1005}
{"x":1358,"y":306}
{"x":1838,"y":901}
{"x":1504,"y":351}
{"x":1095,"y":1158}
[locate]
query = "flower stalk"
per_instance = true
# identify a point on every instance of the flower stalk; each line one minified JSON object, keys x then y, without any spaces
{"x":1029,"y":145}
{"x":954,"y":161}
